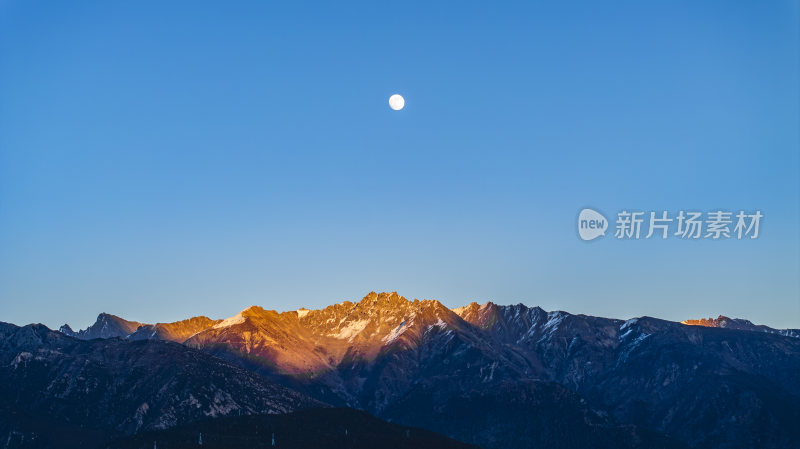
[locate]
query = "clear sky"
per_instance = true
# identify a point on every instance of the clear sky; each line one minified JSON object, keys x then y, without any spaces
{"x":160,"y":160}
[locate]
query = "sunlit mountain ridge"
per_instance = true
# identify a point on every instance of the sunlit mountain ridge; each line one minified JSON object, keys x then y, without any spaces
{"x":351,"y":321}
{"x":420,"y":363}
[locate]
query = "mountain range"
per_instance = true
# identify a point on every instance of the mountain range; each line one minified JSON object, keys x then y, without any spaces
{"x":489,"y":375}
{"x":740,"y":324}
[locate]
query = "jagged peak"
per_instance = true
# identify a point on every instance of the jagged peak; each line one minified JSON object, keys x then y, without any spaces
{"x":241,"y":317}
{"x":474,"y":307}
{"x":707,"y":322}
{"x":106,"y":325}
{"x":720,"y":321}
{"x":253,"y":309}
{"x":432,"y":302}
{"x":192,"y":319}
{"x":104,"y":316}
{"x":382,"y":297}
{"x":471,"y":306}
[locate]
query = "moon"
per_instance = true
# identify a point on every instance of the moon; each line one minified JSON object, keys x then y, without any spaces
{"x":397,"y":102}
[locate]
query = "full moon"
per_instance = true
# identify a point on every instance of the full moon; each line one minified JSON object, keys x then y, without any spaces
{"x":397,"y":102}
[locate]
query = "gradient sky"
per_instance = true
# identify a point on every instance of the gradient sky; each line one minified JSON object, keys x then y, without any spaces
{"x":160,"y":160}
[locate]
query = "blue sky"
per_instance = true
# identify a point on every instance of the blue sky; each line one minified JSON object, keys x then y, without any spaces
{"x":159,"y":161}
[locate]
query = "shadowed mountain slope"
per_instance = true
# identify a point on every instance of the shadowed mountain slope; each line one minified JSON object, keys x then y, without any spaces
{"x":308,"y":429}
{"x":50,"y":381}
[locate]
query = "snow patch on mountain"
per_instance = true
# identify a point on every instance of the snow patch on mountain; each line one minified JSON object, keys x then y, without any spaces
{"x":554,"y":319}
{"x":628,"y":323}
{"x":439,"y":323}
{"x":396,"y":332}
{"x":232,"y":321}
{"x":350,"y":330}
{"x":22,"y":357}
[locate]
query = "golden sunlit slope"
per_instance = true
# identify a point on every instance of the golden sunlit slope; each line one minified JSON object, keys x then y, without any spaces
{"x":313,"y":341}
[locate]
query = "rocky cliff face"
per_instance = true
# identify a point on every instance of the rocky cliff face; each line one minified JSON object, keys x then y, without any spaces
{"x":106,"y":326}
